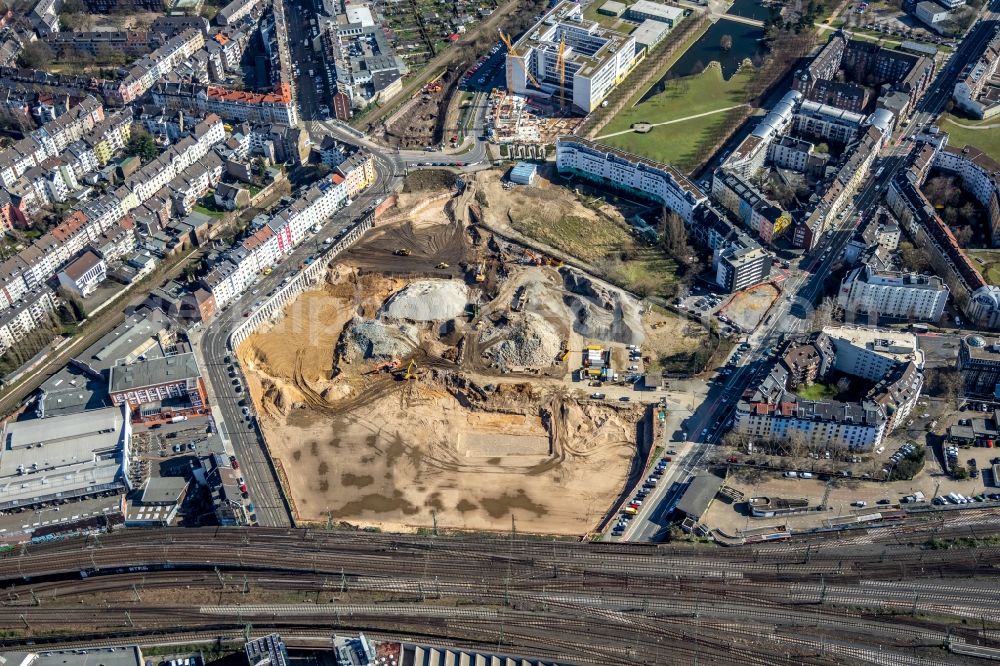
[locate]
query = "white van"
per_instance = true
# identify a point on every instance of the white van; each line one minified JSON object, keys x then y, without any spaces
{"x":805,"y":475}
{"x":791,"y":475}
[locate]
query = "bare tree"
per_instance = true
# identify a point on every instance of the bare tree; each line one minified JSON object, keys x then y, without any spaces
{"x":726,"y":43}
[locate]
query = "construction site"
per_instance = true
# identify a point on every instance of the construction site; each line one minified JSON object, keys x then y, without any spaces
{"x":435,"y":380}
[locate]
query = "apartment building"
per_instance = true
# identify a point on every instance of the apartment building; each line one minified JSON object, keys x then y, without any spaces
{"x":981,"y":301}
{"x":49,"y":140}
{"x":893,"y":294}
{"x":974,"y":80}
{"x":241,"y":106}
{"x":236,"y":10}
{"x":595,"y":59}
{"x":750,"y":206}
{"x":237,"y":268}
{"x":629,"y":173}
{"x":771,"y":410}
{"x":980,"y":175}
{"x":145,"y":72}
{"x":35,"y":308}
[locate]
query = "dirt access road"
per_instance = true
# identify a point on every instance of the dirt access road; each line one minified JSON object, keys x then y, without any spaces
{"x":446,"y":58}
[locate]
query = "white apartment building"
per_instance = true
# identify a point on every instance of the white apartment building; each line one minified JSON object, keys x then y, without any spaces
{"x":34,"y":309}
{"x":893,"y":294}
{"x":286,"y":229}
{"x":595,"y":59}
{"x":872,"y":353}
{"x":631,"y":173}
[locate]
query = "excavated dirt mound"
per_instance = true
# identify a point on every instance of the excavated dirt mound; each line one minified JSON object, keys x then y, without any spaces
{"x":525,"y":340}
{"x":600,"y":312}
{"x":378,"y":340}
{"x":427,"y":300}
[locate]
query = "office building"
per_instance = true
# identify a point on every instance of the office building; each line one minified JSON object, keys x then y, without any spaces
{"x":159,"y":388}
{"x":595,"y":59}
{"x":979,"y":365}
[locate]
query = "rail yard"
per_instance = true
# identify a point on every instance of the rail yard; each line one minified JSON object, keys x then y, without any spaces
{"x":892,"y":596}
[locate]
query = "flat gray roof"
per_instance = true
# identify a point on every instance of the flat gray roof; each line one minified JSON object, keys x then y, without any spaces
{"x":135,"y":336}
{"x":153,"y":372}
{"x":120,"y":656}
{"x":62,"y":455}
{"x":163,"y":489}
{"x":699,"y":494}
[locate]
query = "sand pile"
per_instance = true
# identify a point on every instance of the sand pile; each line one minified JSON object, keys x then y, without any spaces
{"x":602,"y":313}
{"x":373,"y":339}
{"x":529,"y":341}
{"x":427,"y":300}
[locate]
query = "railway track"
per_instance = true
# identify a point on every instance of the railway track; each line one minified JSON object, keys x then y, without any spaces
{"x":582,"y":603}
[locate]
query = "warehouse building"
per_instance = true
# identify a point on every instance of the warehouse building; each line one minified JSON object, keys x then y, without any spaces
{"x":64,"y":458}
{"x":523,"y":173}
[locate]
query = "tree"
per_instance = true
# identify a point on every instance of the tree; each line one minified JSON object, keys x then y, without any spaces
{"x":947,"y":384}
{"x":141,"y":143}
{"x":674,"y":236}
{"x":726,"y":43}
{"x":915,"y":259}
{"x":36,"y":55}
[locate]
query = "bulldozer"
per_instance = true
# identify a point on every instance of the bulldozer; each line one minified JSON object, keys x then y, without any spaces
{"x":442,"y":265}
{"x":481,"y":272}
{"x":402,"y":252}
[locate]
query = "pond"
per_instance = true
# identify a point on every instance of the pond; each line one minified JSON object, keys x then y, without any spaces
{"x":746,"y":44}
{"x":754,"y":9}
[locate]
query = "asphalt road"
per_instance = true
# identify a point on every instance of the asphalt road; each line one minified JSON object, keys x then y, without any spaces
{"x":243,"y":434}
{"x":790,"y":315}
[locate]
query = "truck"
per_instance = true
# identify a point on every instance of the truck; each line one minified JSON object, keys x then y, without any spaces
{"x":178,"y":419}
{"x":316,"y":228}
{"x":327,"y":241}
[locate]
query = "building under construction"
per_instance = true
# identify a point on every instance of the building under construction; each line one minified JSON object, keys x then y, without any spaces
{"x":577,"y":62}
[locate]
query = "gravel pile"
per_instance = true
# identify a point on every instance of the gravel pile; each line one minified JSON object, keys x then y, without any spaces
{"x":600,"y":313}
{"x":529,"y":342}
{"x":427,"y":300}
{"x":368,"y":339}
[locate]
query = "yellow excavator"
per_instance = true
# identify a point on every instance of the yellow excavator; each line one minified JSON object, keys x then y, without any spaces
{"x":410,"y":372}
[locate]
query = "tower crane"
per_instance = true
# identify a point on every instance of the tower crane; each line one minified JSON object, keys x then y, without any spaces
{"x":512,"y":52}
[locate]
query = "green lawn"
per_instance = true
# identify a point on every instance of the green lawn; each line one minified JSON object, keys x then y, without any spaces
{"x":987,"y":140}
{"x":987,"y":262}
{"x":677,"y":143}
{"x":607,"y":245}
{"x":816,"y":391}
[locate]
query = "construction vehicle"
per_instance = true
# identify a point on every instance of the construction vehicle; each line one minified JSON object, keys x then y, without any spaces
{"x":402,"y":252}
{"x":442,"y":265}
{"x":388,"y":366}
{"x":481,"y":272}
{"x":410,"y":372}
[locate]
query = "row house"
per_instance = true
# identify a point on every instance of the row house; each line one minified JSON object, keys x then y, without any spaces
{"x":189,"y":186}
{"x":33,"y":310}
{"x":231,"y":276}
{"x":238,"y":105}
{"x":118,"y":242}
{"x":144,"y":74}
{"x":359,"y":171}
{"x":111,"y":136}
{"x":153,"y":176}
{"x":49,"y":140}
